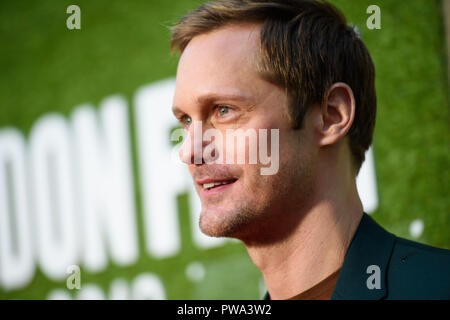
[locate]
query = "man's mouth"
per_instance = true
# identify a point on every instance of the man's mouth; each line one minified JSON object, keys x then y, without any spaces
{"x":210,"y":186}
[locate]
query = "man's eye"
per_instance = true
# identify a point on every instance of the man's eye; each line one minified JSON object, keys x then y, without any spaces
{"x":186,"y":120}
{"x":223,"y":110}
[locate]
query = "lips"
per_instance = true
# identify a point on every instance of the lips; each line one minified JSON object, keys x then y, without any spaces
{"x":211,"y":185}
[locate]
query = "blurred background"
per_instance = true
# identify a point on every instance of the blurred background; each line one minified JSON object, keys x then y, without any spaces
{"x":86,"y":174}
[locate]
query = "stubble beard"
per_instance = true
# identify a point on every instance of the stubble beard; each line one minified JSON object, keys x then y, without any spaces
{"x":229,"y":223}
{"x":261,"y":220}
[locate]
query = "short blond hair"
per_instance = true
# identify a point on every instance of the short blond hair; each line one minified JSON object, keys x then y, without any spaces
{"x":306,"y":46}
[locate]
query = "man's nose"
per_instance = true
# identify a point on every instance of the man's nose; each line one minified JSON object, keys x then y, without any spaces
{"x":191,"y":151}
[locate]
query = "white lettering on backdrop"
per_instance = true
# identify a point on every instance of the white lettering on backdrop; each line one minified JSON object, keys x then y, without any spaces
{"x":67,"y":194}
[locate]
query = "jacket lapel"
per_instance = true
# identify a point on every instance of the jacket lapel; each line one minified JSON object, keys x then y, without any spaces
{"x":371,"y":246}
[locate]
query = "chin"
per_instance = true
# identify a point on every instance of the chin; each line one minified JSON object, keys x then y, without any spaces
{"x":214,"y":227}
{"x":222,"y":223}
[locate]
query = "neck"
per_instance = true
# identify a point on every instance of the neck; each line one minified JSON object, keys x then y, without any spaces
{"x":318,"y":245}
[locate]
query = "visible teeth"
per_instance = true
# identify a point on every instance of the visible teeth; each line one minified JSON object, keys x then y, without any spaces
{"x":208,"y":185}
{"x":213,"y":184}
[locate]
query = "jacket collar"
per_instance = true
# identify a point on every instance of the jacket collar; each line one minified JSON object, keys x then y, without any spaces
{"x":371,"y":245}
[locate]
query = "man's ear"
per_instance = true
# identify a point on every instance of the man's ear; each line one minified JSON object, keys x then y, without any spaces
{"x":336,"y":113}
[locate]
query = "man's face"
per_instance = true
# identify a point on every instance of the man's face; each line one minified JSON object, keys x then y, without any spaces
{"x":217,"y":84}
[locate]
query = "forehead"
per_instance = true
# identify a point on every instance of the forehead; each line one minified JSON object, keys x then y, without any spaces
{"x":221,"y":61}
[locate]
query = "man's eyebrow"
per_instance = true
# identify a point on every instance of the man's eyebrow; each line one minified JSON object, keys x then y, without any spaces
{"x":212,"y":98}
{"x":176,"y":111}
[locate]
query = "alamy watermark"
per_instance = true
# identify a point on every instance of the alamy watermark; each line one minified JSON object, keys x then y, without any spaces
{"x":231,"y":148}
{"x":74,"y":20}
{"x":74,"y":279}
{"x":374,"y":280}
{"x":374,"y":20}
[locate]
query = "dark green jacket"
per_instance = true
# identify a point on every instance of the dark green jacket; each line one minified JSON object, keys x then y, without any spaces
{"x":407,"y":269}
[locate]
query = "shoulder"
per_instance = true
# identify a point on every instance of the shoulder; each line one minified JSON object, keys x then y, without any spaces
{"x":407,"y":246}
{"x":418,"y":271}
{"x":402,"y":269}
